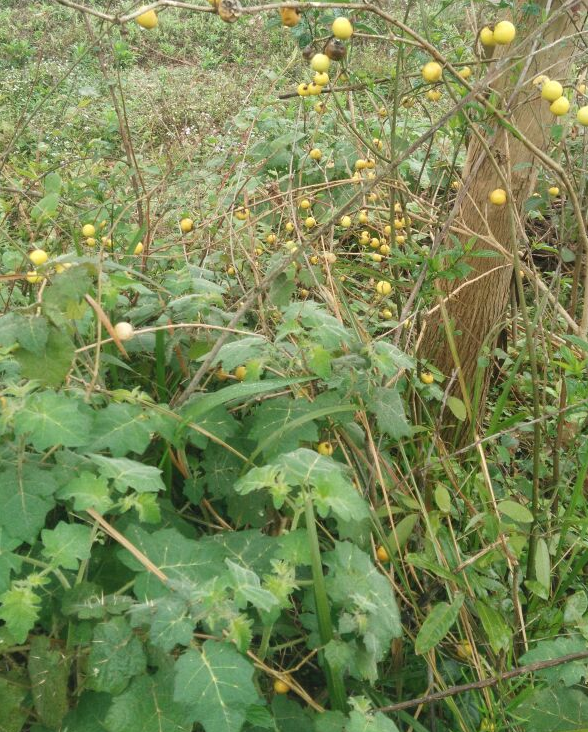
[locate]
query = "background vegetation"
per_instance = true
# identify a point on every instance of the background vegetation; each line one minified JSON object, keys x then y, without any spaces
{"x":281,"y":503}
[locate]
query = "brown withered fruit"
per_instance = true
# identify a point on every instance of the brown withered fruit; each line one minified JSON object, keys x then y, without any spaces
{"x":335,"y":50}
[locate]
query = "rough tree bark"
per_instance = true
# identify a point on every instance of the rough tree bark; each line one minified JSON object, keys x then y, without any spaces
{"x":477,"y":309}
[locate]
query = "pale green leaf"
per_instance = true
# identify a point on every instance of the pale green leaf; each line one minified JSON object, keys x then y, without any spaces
{"x":49,"y":418}
{"x":515,"y":511}
{"x":457,"y":407}
{"x":19,"y":608}
{"x":386,"y":405}
{"x":543,"y":564}
{"x":129,"y":474}
{"x":66,"y":544}
{"x":87,"y":491}
{"x":437,"y":624}
{"x":378,"y":722}
{"x":498,"y":633}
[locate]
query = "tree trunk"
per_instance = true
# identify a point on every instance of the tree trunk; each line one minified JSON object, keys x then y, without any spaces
{"x":476,"y":310}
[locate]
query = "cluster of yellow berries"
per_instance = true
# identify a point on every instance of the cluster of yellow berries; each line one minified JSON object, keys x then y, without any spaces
{"x":38,"y":258}
{"x":552,"y":91}
{"x":342,"y":30}
{"x":502,"y":34}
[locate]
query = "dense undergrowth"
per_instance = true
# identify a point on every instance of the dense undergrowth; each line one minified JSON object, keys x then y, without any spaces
{"x":247,"y":512}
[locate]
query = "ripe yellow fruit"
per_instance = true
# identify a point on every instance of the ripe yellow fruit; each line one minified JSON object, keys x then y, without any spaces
{"x":290,"y":17}
{"x":581,"y":88}
{"x":387,"y":230}
{"x":315,"y":153}
{"x":400,"y":239}
{"x":427,"y":377}
{"x":385,"y":249}
{"x":369,"y":163}
{"x":560,"y":107}
{"x":498,"y":197}
{"x":320,"y":107}
{"x":342,"y":28}
{"x":221,"y":374}
{"x":304,"y":205}
{"x":582,"y":116}
{"x":383,"y":112}
{"x":541,"y":79}
{"x":271,"y":238}
{"x":361,"y":164}
{"x":34,"y":278}
{"x":363,"y":217}
{"x":186,"y":225}
{"x":382,"y":555}
{"x":322,"y":79}
{"x":258,"y":251}
{"x":60,"y":268}
{"x":377,"y":143}
{"x":434,"y":95}
{"x":324,"y":448}
{"x":231,"y":271}
{"x":553,"y":191}
{"x":289,"y":226}
{"x":386,"y":314}
{"x":314,"y":89}
{"x":374,"y":242}
{"x":38,"y":257}
{"x":487,"y":37}
{"x":551,"y":90}
{"x":148,"y":20}
{"x":464,"y":649}
{"x":88,"y":230}
{"x":124,"y":331}
{"x":106,"y":242}
{"x":320,"y":62}
{"x":303,"y":90}
{"x":383,"y":288}
{"x":281,"y":687}
{"x":399,"y":223}
{"x":504,"y":33}
{"x":303,"y":292}
{"x":345,"y":222}
{"x":241,"y":213}
{"x":466,"y":72}
{"x":432,"y":72}
{"x":314,"y":259}
{"x":310,"y":222}
{"x":139,"y":248}
{"x":455,"y":185}
{"x":240,"y":373}
{"x":90,"y":241}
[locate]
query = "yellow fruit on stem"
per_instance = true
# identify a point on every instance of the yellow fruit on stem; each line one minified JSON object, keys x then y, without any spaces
{"x":321,"y":78}
{"x":124,"y":331}
{"x":551,"y":90}
{"x":221,"y":374}
{"x":432,"y":72}
{"x":382,"y":555}
{"x":34,"y":278}
{"x":363,"y":217}
{"x":320,"y":62}
{"x":240,"y":373}
{"x":38,"y":257}
{"x":464,"y":649}
{"x":385,"y":249}
{"x":310,"y":222}
{"x":324,"y":448}
{"x":560,"y":107}
{"x":186,"y":225}
{"x":498,"y":197}
{"x":466,"y":72}
{"x":487,"y":37}
{"x":315,"y":154}
{"x":231,"y":271}
{"x":148,"y":20}
{"x":581,"y":88}
{"x":290,"y":17}
{"x":434,"y":95}
{"x":504,"y":33}
{"x":90,"y":241}
{"x":314,"y":89}
{"x":303,"y":90}
{"x":342,"y":28}
{"x":374,"y":242}
{"x":88,"y":230}
{"x":345,"y":222}
{"x":383,"y":288}
{"x":427,"y":377}
{"x":304,"y":205}
{"x":271,"y":238}
{"x":386,"y":314}
{"x":241,"y":213}
{"x":281,"y":687}
{"x":360,"y":164}
{"x":139,"y":248}
{"x":540,"y":80}
{"x":553,"y":191}
{"x":320,"y":107}
{"x":582,"y":116}
{"x":289,"y":226}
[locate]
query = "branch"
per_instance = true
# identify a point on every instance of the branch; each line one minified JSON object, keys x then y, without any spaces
{"x":485,"y":683}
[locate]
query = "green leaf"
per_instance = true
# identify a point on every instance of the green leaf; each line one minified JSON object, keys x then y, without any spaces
{"x":319,"y":360}
{"x":498,"y":632}
{"x":88,"y":491}
{"x":32,"y":333}
{"x":46,"y":207}
{"x":387,"y":406}
{"x":457,"y":407}
{"x":147,"y":705}
{"x":50,"y":367}
{"x":121,"y":428}
{"x":398,"y":538}
{"x":13,"y":715}
{"x":216,"y":682}
{"x":48,"y":419}
{"x":238,"y":352}
{"x":515,"y":511}
{"x":543,"y":564}
{"x":443,"y":499}
{"x":66,"y":544}
{"x":129,"y":474}
{"x":9,"y":562}
{"x":290,"y":716}
{"x":365,"y":722}
{"x":26,"y":496}
{"x":576,"y":606}
{"x":49,"y":674}
{"x":437,"y":624}
{"x":19,"y":608}
{"x":555,"y":709}
{"x":568,"y":674}
{"x":89,"y":715}
{"x":247,"y":588}
{"x":115,"y":657}
{"x":272,"y":425}
{"x":389,"y":359}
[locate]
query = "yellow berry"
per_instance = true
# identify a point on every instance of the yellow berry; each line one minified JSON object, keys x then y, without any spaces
{"x":186,"y":225}
{"x":432,"y":72}
{"x":434,"y":95}
{"x":377,"y":257}
{"x":34,"y":278}
{"x":487,"y":37}
{"x":383,"y":288}
{"x":304,"y":204}
{"x":385,"y":249}
{"x":221,"y":374}
{"x":38,"y":257}
{"x":582,"y":116}
{"x":289,"y":226}
{"x":504,"y":33}
{"x":363,"y":217}
{"x":271,"y":238}
{"x":148,"y":20}
{"x":310,"y":222}
{"x":139,"y":248}
{"x":320,"y":62}
{"x":560,"y":107}
{"x":88,"y":230}
{"x":345,"y":222}
{"x":231,"y":271}
{"x":498,"y":197}
{"x":240,"y":373}
{"x":303,"y":90}
{"x":553,"y":191}
{"x":551,"y":90}
{"x":427,"y":377}
{"x":281,"y":687}
{"x":325,"y":448}
{"x":464,"y":649}
{"x":466,"y":72}
{"x":400,"y":239}
{"x":241,"y":213}
{"x":382,"y":554}
{"x":342,"y":28}
{"x":315,"y":154}
{"x":321,"y":78}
